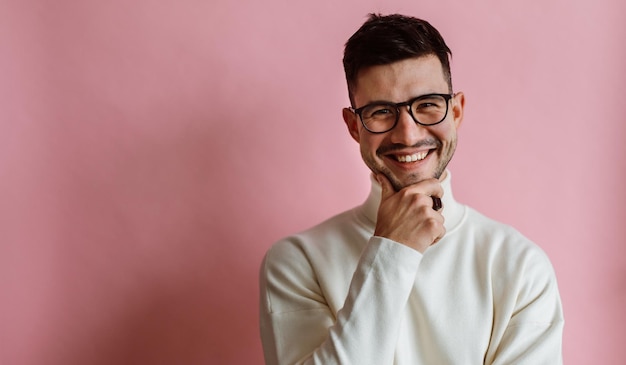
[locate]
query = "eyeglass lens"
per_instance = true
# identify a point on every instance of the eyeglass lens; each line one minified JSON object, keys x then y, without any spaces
{"x":426,"y":110}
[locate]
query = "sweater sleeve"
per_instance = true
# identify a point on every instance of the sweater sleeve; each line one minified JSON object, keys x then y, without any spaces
{"x":534,"y":324}
{"x":299,"y":327}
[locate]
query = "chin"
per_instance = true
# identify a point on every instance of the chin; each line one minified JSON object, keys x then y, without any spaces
{"x":412,"y":179}
{"x":399,"y":184}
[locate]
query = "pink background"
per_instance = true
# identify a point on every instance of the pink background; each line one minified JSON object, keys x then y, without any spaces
{"x":151,"y":151}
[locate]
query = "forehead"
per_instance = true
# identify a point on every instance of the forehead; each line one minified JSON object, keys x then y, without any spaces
{"x":400,"y":81}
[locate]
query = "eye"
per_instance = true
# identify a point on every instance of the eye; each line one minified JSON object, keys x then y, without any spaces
{"x":428,"y":103}
{"x":425,"y":105}
{"x":379,"y":111}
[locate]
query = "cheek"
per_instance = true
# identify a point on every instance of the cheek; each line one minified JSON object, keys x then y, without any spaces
{"x":445,"y":135}
{"x":369,"y":144}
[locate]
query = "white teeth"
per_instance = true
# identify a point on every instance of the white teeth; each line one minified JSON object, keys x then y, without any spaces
{"x":414,"y":157}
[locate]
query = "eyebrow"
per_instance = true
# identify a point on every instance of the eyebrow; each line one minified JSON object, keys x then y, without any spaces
{"x":393,"y":102}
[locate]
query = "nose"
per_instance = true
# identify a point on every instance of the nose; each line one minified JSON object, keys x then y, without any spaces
{"x":407,"y":131}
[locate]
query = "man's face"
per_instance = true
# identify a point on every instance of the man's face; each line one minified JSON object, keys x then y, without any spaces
{"x":427,"y":149}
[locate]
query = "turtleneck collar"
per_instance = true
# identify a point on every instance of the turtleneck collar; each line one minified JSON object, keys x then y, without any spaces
{"x":453,"y":212}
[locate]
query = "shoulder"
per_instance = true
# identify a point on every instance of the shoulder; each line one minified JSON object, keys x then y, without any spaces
{"x":346,"y":231}
{"x":510,"y":254}
{"x":295,"y":268}
{"x":504,"y":248}
{"x":494,"y":232}
{"x":336,"y":241}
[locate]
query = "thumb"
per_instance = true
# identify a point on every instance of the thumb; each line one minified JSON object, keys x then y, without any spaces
{"x":387,"y":189}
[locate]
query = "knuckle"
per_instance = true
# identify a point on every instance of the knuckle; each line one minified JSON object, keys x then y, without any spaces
{"x":431,"y":223}
{"x":426,"y":210}
{"x":406,"y":194}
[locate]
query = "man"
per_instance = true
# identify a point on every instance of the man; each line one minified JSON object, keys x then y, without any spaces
{"x":401,"y":279}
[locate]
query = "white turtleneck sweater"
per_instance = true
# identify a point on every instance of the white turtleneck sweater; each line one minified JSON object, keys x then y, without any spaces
{"x":336,"y":294}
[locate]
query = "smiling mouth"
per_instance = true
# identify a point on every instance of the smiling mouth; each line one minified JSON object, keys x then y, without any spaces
{"x":413,"y":157}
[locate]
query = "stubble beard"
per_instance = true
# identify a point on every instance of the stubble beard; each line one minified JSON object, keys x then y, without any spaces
{"x":444,"y":159}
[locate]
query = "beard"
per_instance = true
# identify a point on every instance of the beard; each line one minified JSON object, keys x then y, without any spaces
{"x":442,"y":153}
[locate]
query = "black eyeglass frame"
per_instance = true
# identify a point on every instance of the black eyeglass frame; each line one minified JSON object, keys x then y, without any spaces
{"x":407,"y":103}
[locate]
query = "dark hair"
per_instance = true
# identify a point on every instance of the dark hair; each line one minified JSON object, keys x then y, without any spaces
{"x":385,"y":39}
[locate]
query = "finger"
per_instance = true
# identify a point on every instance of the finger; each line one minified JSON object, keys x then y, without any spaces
{"x":429,"y":187}
{"x":387,"y":189}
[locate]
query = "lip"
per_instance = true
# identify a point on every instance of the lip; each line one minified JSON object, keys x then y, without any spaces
{"x":392,"y":158}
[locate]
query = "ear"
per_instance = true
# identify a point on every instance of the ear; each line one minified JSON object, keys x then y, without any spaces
{"x":352,"y":122}
{"x":458,"y":105}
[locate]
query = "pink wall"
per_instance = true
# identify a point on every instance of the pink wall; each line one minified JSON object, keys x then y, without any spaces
{"x":151,"y":151}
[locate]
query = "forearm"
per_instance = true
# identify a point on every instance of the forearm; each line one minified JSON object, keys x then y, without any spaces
{"x":366,"y":328}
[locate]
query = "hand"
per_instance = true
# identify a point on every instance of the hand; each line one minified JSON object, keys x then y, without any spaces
{"x":407,"y":216}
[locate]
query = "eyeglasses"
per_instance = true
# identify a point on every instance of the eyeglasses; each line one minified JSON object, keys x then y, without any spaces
{"x":427,"y":110}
